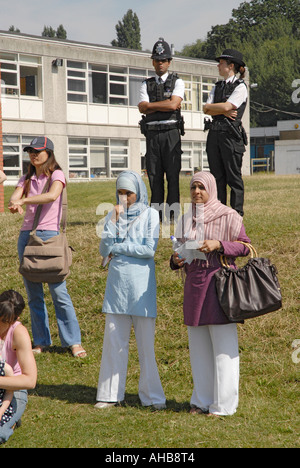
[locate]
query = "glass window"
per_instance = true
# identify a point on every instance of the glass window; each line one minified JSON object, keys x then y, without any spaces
{"x":78,"y":158}
{"x":98,"y":87}
{"x":77,"y":89}
{"x":18,"y":79}
{"x":30,"y":81}
{"x":187,"y":101}
{"x":207,"y":86}
{"x":97,"y":158}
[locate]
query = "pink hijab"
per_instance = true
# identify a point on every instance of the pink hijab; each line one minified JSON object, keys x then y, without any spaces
{"x":211,"y":220}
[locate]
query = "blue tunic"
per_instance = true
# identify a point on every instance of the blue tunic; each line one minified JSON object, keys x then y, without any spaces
{"x":131,"y":283}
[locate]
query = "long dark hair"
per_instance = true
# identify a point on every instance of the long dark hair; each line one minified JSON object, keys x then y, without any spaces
{"x":48,"y":168}
{"x":238,"y":69}
{"x":11,"y":306}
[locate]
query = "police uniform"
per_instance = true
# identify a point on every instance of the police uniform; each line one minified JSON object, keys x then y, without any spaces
{"x":226,"y":139}
{"x":163,"y":132}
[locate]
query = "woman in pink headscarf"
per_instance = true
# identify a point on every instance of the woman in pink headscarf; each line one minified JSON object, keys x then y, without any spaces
{"x":213,"y":340}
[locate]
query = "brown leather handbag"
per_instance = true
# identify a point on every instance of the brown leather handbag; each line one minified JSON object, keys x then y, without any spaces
{"x":250,"y":291}
{"x":47,"y":261}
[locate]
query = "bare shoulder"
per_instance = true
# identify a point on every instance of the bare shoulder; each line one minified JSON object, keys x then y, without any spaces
{"x":21,"y":335}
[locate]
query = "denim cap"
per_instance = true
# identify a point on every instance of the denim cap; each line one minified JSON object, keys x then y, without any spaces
{"x":40,"y":144}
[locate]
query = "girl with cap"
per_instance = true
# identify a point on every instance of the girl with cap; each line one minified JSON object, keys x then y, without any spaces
{"x":28,"y":193}
{"x":213,"y":341}
{"x":226,"y":140}
{"x":130,"y":238}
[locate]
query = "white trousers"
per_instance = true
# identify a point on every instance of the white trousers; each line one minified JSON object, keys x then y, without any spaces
{"x":214,"y":355}
{"x":113,"y":369}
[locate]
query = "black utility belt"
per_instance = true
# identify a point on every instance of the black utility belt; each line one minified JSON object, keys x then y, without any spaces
{"x":160,"y":127}
{"x":220,"y":126}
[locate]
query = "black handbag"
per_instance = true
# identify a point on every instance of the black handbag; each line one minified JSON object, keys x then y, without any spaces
{"x":250,"y":291}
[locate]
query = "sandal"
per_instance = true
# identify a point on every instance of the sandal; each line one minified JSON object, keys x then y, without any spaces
{"x":196,"y":410}
{"x":78,"y":351}
{"x":38,"y":349}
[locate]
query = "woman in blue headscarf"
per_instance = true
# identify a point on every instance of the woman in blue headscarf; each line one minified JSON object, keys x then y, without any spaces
{"x":130,"y":238}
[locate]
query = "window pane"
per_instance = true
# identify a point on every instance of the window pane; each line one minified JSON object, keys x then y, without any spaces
{"x":137,"y":71}
{"x":76,"y":85}
{"x":11,"y":57}
{"x":134,"y":90}
{"x":77,"y":141}
{"x":77,"y":97}
{"x":8,"y":79}
{"x":118,"y":162}
{"x":118,"y":89}
{"x":8,"y":66}
{"x":99,"y":162}
{"x":30,"y":59}
{"x":117,"y":70}
{"x":98,"y":88}
{"x":29,"y":81}
{"x":10,"y":139}
{"x":78,"y":161}
{"x":73,"y":64}
{"x":98,"y":67}
{"x":77,"y":74}
{"x":10,"y":160}
{"x":119,"y":101}
{"x":78,"y":174}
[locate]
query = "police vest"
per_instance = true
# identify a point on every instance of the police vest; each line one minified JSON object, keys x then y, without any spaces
{"x":161,"y":92}
{"x":222,"y":94}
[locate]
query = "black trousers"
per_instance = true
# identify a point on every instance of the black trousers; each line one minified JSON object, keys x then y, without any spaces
{"x":163,"y":156}
{"x":225,"y":157}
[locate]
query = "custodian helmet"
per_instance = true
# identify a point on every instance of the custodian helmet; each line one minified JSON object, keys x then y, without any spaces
{"x":161,"y":50}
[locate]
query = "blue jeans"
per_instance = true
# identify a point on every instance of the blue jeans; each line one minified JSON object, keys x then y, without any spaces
{"x":19,"y":403}
{"x":68,"y":327}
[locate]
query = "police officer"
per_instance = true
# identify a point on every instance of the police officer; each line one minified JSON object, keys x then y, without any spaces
{"x":227,"y":138}
{"x":162,"y":124}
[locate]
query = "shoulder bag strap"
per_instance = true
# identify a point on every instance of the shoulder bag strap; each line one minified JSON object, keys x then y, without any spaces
{"x":64,"y":208}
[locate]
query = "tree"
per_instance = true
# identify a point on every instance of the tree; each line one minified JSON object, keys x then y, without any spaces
{"x":61,"y":32}
{"x":268,"y":34}
{"x":50,"y":32}
{"x":128,"y":32}
{"x":13,"y":29}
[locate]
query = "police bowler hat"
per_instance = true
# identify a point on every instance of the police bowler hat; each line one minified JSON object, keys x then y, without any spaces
{"x":232,"y":55}
{"x":40,"y":144}
{"x":161,"y":50}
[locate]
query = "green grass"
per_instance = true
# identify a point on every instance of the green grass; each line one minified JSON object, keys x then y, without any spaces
{"x":60,"y":412}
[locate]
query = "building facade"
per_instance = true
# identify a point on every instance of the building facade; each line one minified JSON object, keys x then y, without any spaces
{"x":84,"y":97}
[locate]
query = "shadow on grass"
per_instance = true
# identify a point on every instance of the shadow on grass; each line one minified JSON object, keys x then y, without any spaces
{"x":82,"y":394}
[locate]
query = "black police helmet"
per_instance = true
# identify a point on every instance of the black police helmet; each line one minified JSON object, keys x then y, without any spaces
{"x":161,"y":50}
{"x":233,"y":55}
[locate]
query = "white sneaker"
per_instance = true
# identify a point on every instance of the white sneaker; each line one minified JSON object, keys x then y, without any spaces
{"x":104,"y":404}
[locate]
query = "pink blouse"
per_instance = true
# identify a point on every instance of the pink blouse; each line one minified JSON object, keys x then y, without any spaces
{"x":8,"y":352}
{"x":51,"y":212}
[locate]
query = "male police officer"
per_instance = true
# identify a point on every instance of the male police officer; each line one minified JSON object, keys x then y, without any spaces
{"x":226,"y":138}
{"x":162,"y":124}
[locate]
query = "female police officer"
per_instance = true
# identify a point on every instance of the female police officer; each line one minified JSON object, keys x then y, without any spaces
{"x":226,"y":138}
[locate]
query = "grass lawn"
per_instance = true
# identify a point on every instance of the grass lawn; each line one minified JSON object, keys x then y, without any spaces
{"x":60,"y":411}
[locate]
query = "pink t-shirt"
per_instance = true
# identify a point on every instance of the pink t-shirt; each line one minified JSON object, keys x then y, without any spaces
{"x":51,"y":212}
{"x":8,"y":353}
